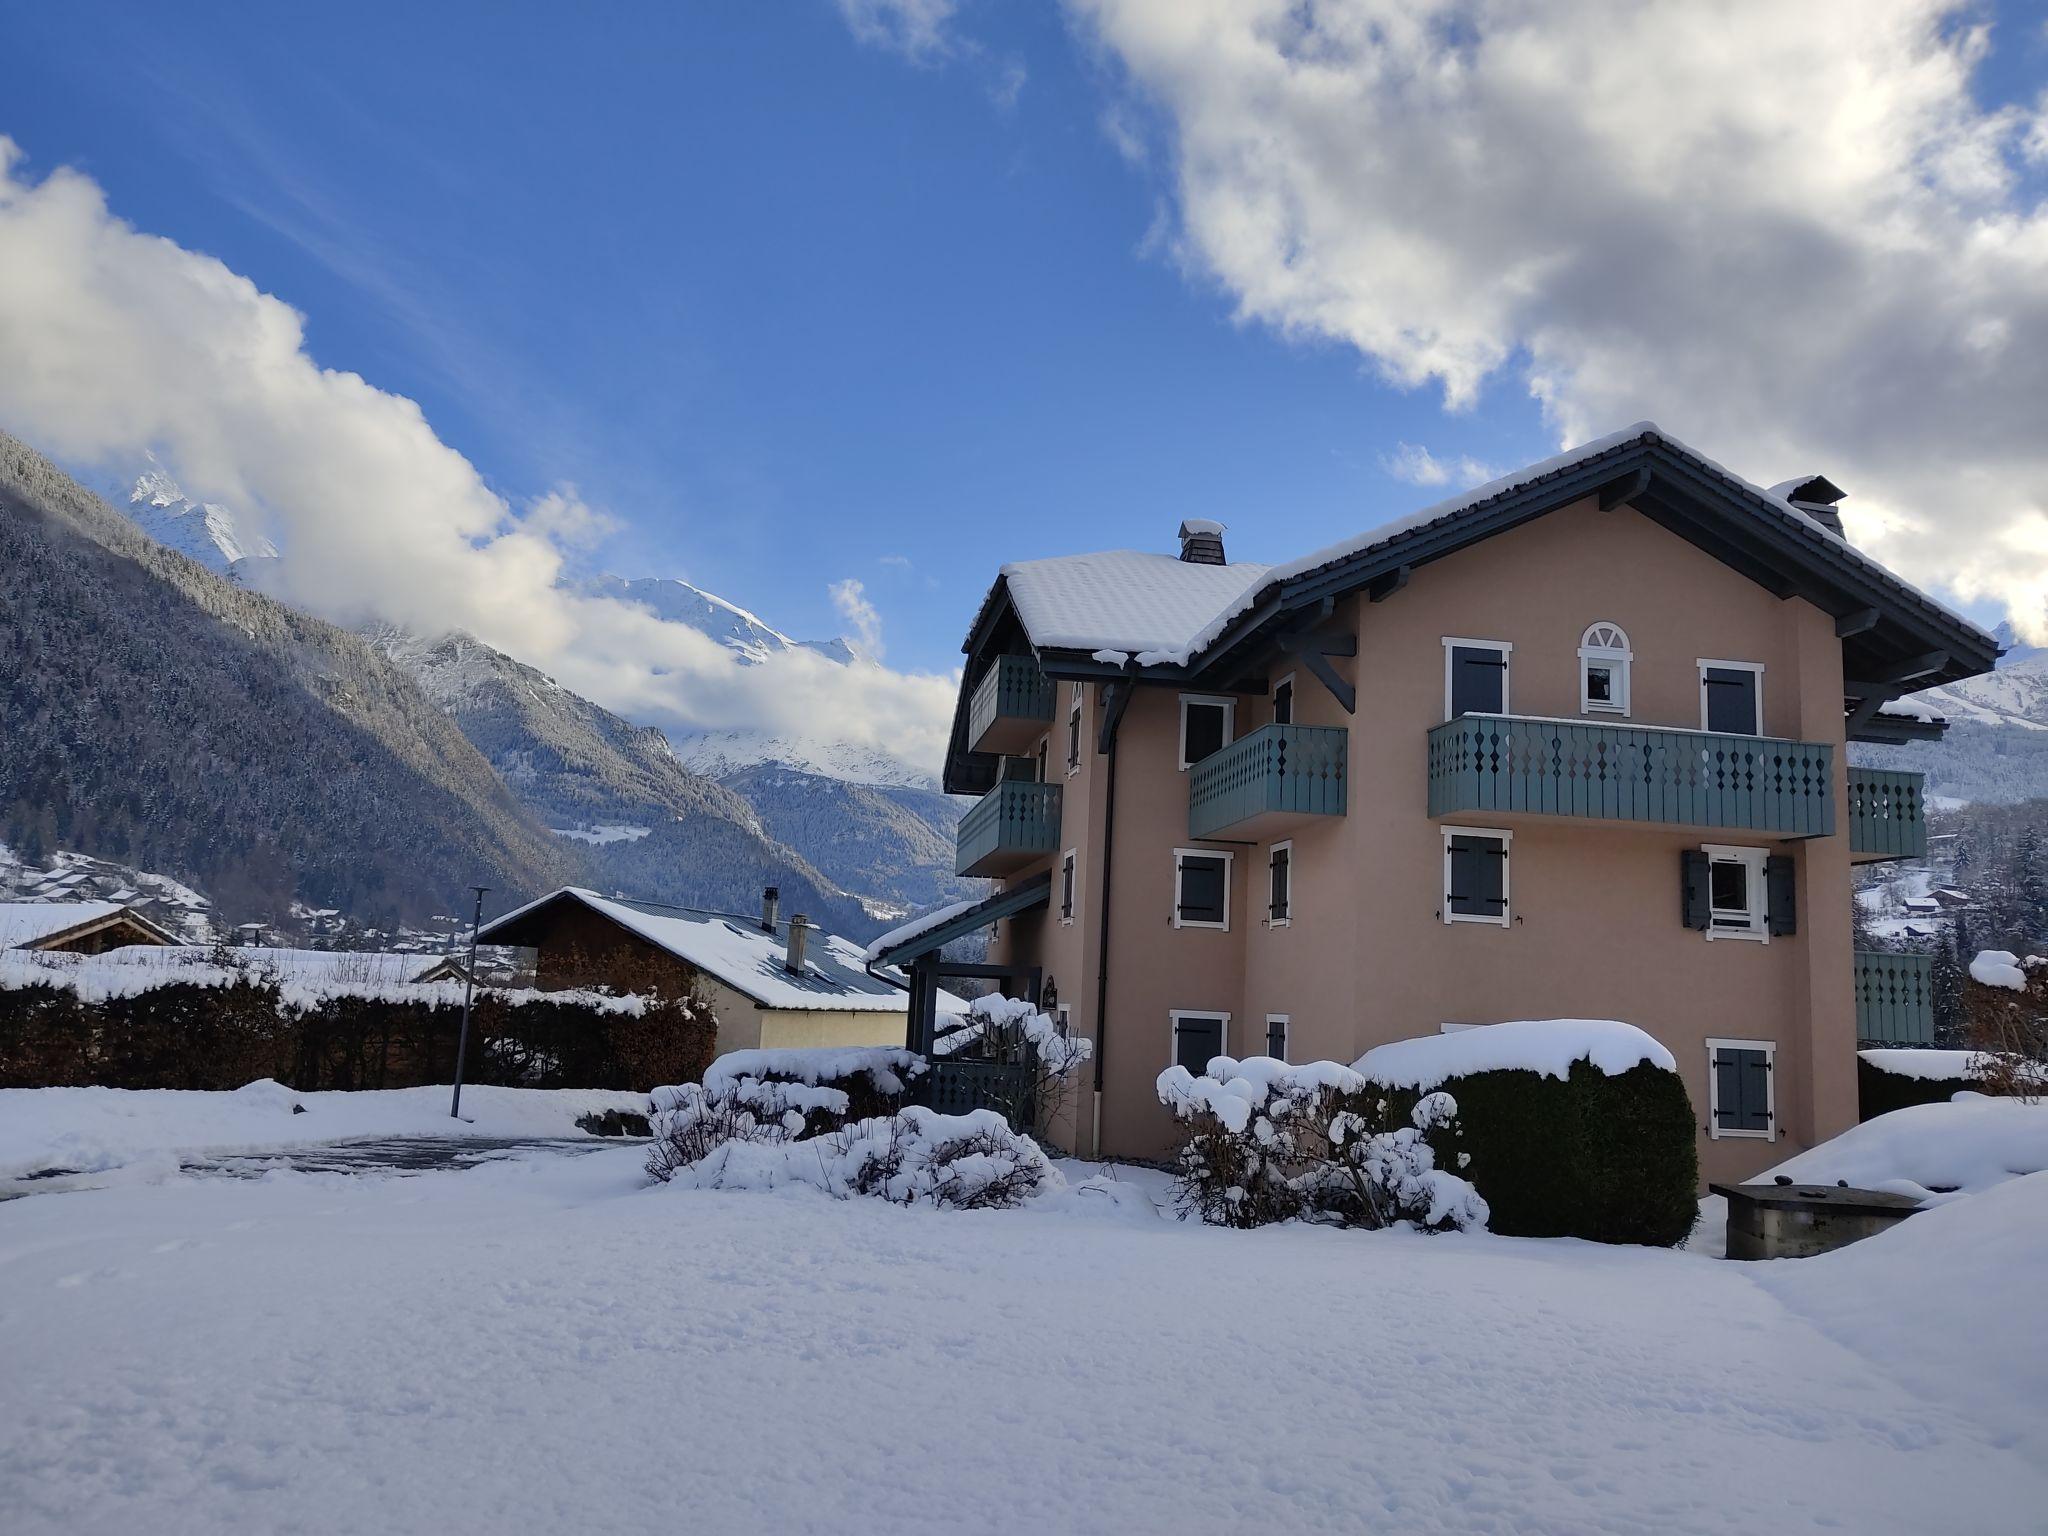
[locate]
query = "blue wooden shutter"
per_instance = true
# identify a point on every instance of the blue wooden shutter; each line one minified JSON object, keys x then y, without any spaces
{"x":1195,"y":1042}
{"x":1742,"y":1089}
{"x":1782,"y":904}
{"x":1696,"y":902}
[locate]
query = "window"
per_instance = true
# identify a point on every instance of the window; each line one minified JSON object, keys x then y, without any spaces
{"x":1067,"y":887}
{"x":1603,"y":670}
{"x":1742,"y":1099}
{"x":1737,"y":903}
{"x":1476,"y":876}
{"x":1283,"y":701}
{"x":1279,"y":881}
{"x":1074,"y":730}
{"x":1063,"y":1020}
{"x":1201,"y":889}
{"x":1198,"y":1038}
{"x":1045,"y":742}
{"x":1276,"y":1036}
{"x":1475,"y":677}
{"x":1732,"y":697}
{"x":1205,"y":725}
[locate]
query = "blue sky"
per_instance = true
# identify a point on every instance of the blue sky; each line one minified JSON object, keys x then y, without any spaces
{"x":781,"y":302}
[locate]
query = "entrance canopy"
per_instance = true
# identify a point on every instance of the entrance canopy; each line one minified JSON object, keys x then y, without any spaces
{"x":1034,"y":892}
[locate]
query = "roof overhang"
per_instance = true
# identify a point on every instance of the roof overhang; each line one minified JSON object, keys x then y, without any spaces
{"x":1037,"y":891}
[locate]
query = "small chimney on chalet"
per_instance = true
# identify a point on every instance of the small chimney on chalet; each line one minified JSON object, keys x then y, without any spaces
{"x":1816,"y":496}
{"x":1201,"y":542}
{"x":799,"y":931}
{"x":771,"y":907}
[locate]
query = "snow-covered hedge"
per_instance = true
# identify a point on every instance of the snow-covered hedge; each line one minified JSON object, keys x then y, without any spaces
{"x":1265,"y":1141}
{"x":870,"y":1079}
{"x":1575,"y":1127}
{"x":772,"y":1096}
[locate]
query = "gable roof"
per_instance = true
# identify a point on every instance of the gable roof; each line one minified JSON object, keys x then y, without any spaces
{"x":35,"y":924}
{"x":1124,"y":600}
{"x":735,"y":950}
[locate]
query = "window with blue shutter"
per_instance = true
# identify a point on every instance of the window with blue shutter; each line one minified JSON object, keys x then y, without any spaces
{"x":1476,"y":877}
{"x":1280,"y":876}
{"x":1731,"y":700}
{"x":1276,"y":1038}
{"x":1067,"y":888}
{"x":1197,"y":1039}
{"x":1742,"y":1089}
{"x":1479,"y":680}
{"x":1201,"y":889}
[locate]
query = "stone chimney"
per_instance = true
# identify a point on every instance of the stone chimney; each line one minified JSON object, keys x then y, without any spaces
{"x":1201,"y":542}
{"x":799,"y":931}
{"x":1816,"y":496}
{"x":771,"y":906}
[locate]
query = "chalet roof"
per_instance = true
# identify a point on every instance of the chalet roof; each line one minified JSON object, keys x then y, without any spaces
{"x":736,"y":950}
{"x":33,"y":924}
{"x":1124,"y":600}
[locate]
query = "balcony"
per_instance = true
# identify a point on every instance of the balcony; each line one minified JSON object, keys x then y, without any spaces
{"x":1011,"y":707}
{"x":1268,"y":782}
{"x":1007,"y":828}
{"x":1490,"y":764}
{"x":1887,"y":815}
{"x":1894,"y":999}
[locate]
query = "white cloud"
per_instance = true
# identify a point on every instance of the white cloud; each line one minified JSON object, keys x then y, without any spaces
{"x":114,"y":343}
{"x":1415,"y":464}
{"x":917,"y":29}
{"x":850,"y":598}
{"x":1786,"y":232}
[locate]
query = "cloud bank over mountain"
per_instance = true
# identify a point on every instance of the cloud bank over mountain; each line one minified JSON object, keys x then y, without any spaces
{"x":1790,"y":233}
{"x":118,"y":343}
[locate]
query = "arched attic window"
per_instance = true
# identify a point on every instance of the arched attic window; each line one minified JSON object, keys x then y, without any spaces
{"x":1604,"y":659}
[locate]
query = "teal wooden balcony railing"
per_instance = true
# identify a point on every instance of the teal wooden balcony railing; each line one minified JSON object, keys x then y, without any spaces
{"x":1887,"y":814}
{"x":1503,"y":763}
{"x":1894,"y":998}
{"x":1007,"y":828}
{"x":1266,"y":780}
{"x":1010,"y":708}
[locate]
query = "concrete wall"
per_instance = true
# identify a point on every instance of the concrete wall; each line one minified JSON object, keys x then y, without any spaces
{"x":1596,"y":929}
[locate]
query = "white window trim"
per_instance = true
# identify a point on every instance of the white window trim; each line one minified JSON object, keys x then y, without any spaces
{"x":1071,"y":857}
{"x":1507,"y":672}
{"x":1288,"y":682}
{"x":1074,"y":728}
{"x":1757,"y":667}
{"x":1175,"y":1015}
{"x":1507,"y":906}
{"x":1286,"y":1023}
{"x":1271,"y":920}
{"x":1770,"y":1050}
{"x":1229,"y":706}
{"x":1757,"y":863}
{"x":1229,"y":870}
{"x":1620,"y":658}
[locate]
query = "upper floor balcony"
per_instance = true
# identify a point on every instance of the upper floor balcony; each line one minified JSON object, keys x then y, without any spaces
{"x":1007,"y":828}
{"x":1481,"y":764}
{"x":1894,"y":998}
{"x":1011,"y":707}
{"x":1887,"y":815}
{"x":1275,"y":778}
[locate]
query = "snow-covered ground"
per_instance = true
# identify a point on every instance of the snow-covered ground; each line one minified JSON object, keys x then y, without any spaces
{"x":145,"y":1132}
{"x":550,"y":1344}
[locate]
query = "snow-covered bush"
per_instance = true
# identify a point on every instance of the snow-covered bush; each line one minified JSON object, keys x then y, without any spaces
{"x":871,"y":1079}
{"x":2005,"y":1020}
{"x":1575,"y":1127}
{"x":1012,"y":1032}
{"x":691,"y":1121}
{"x":917,"y":1157}
{"x":1265,"y":1141}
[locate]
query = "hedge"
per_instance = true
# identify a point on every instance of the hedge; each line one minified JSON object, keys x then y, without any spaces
{"x":182,"y":1035}
{"x":1609,"y":1158}
{"x":1879,"y":1092}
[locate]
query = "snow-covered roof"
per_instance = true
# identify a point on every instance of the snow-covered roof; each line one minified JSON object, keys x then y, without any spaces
{"x":27,"y":923}
{"x":1122,"y":599}
{"x":905,"y":932}
{"x":745,"y":956}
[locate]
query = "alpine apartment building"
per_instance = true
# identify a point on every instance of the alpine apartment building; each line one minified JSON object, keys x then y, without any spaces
{"x":1571,"y":745}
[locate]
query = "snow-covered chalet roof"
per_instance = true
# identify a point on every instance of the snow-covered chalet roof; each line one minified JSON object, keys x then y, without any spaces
{"x":1122,"y":599}
{"x":24,"y":924}
{"x":741,"y":953}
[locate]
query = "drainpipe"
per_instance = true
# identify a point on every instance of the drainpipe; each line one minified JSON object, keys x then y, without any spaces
{"x":1102,"y":956}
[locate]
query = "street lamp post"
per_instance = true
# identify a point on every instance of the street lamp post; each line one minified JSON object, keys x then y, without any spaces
{"x":468,"y":991}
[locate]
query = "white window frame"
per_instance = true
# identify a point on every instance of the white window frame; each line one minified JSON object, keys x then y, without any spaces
{"x":1286,"y":1023}
{"x":1063,"y":1020}
{"x":1757,"y":667}
{"x":1074,"y":731}
{"x":1618,"y":660}
{"x":1507,"y":671}
{"x":1070,"y":860}
{"x":1229,"y":872}
{"x":1175,"y":1015}
{"x":1507,"y":907}
{"x":1756,"y":861}
{"x":1286,"y":843}
{"x":1770,"y":1130}
{"x":1273,"y":693}
{"x":1229,"y":706}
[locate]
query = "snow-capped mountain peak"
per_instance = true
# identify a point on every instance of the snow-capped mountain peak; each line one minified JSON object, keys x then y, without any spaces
{"x":204,"y":531}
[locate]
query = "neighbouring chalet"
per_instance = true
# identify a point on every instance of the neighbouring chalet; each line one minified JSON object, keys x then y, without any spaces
{"x":770,"y":982}
{"x":77,"y":927}
{"x":1574,"y":744}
